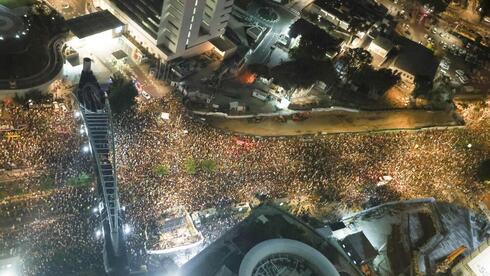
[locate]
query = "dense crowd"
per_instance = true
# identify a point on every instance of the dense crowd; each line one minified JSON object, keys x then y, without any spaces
{"x":342,"y":168}
{"x":335,"y":168}
{"x":43,"y":219}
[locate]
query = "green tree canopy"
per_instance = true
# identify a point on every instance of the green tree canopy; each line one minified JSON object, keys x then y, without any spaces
{"x":190,"y":166}
{"x":423,"y":85}
{"x":122,"y":94}
{"x":209,"y":165}
{"x":161,"y":170}
{"x":356,"y":58}
{"x":303,"y":73}
{"x":314,"y":42}
{"x":260,"y":70}
{"x":374,"y":81}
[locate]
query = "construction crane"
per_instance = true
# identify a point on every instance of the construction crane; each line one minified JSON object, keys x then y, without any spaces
{"x":447,"y":263}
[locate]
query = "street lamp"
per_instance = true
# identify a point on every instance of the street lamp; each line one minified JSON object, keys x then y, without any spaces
{"x":85,"y":148}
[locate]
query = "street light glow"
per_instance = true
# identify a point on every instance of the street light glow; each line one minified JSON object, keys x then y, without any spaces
{"x":85,"y":148}
{"x":126,"y":229}
{"x":98,"y":233}
{"x":77,"y":114}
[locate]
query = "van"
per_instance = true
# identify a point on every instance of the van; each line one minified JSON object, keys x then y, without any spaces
{"x":261,"y":95}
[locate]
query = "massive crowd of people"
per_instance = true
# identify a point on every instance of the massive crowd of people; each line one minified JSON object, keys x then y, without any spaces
{"x":43,"y":219}
{"x":335,"y":168}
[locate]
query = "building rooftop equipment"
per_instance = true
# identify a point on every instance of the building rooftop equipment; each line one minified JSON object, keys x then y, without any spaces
{"x":415,"y":58}
{"x":269,"y":236}
{"x":359,"y":248}
{"x":173,"y":232}
{"x":119,"y":54}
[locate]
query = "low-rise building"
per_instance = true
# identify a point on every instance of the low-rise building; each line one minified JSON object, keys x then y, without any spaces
{"x":413,"y":61}
{"x":348,"y":15}
{"x":171,"y":29}
{"x":380,"y":46}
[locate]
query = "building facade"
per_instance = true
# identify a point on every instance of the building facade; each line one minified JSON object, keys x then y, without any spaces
{"x":171,"y":28}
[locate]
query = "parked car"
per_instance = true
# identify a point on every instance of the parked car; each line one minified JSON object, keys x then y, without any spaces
{"x":445,"y":64}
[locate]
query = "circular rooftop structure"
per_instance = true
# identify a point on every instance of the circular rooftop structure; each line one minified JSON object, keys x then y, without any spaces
{"x":285,"y":257}
{"x":12,"y":26}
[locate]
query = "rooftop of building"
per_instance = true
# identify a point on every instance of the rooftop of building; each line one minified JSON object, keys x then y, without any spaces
{"x":351,"y":10}
{"x":265,"y":223}
{"x":174,"y":231}
{"x":222,"y":43}
{"x":145,"y":13}
{"x":383,"y":42}
{"x":415,"y":235}
{"x":414,"y":58}
{"x":93,"y":23}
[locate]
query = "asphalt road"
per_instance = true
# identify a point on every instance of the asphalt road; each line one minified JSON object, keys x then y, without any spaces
{"x":338,"y":122}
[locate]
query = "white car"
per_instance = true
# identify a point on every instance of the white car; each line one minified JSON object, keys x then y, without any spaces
{"x":145,"y":95}
{"x":445,"y":64}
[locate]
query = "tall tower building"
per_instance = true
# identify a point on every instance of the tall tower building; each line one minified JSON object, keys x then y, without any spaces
{"x":174,"y":26}
{"x":187,"y":23}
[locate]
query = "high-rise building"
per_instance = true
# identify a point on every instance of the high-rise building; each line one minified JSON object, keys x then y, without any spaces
{"x":171,"y":28}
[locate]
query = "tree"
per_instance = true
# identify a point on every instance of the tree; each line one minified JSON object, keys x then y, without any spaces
{"x":438,"y":5}
{"x":314,"y":42}
{"x":260,"y":70}
{"x":190,"y":166}
{"x":303,"y":73}
{"x":355,"y":59}
{"x":208,"y":165}
{"x":374,"y":81}
{"x":122,"y":94}
{"x":161,"y":170}
{"x":423,"y":85}
{"x":35,"y":95}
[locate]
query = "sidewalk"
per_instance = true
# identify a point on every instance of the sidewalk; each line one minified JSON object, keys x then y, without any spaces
{"x":338,"y":122}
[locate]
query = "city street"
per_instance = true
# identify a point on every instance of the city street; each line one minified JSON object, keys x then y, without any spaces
{"x":337,"y":122}
{"x":89,"y":180}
